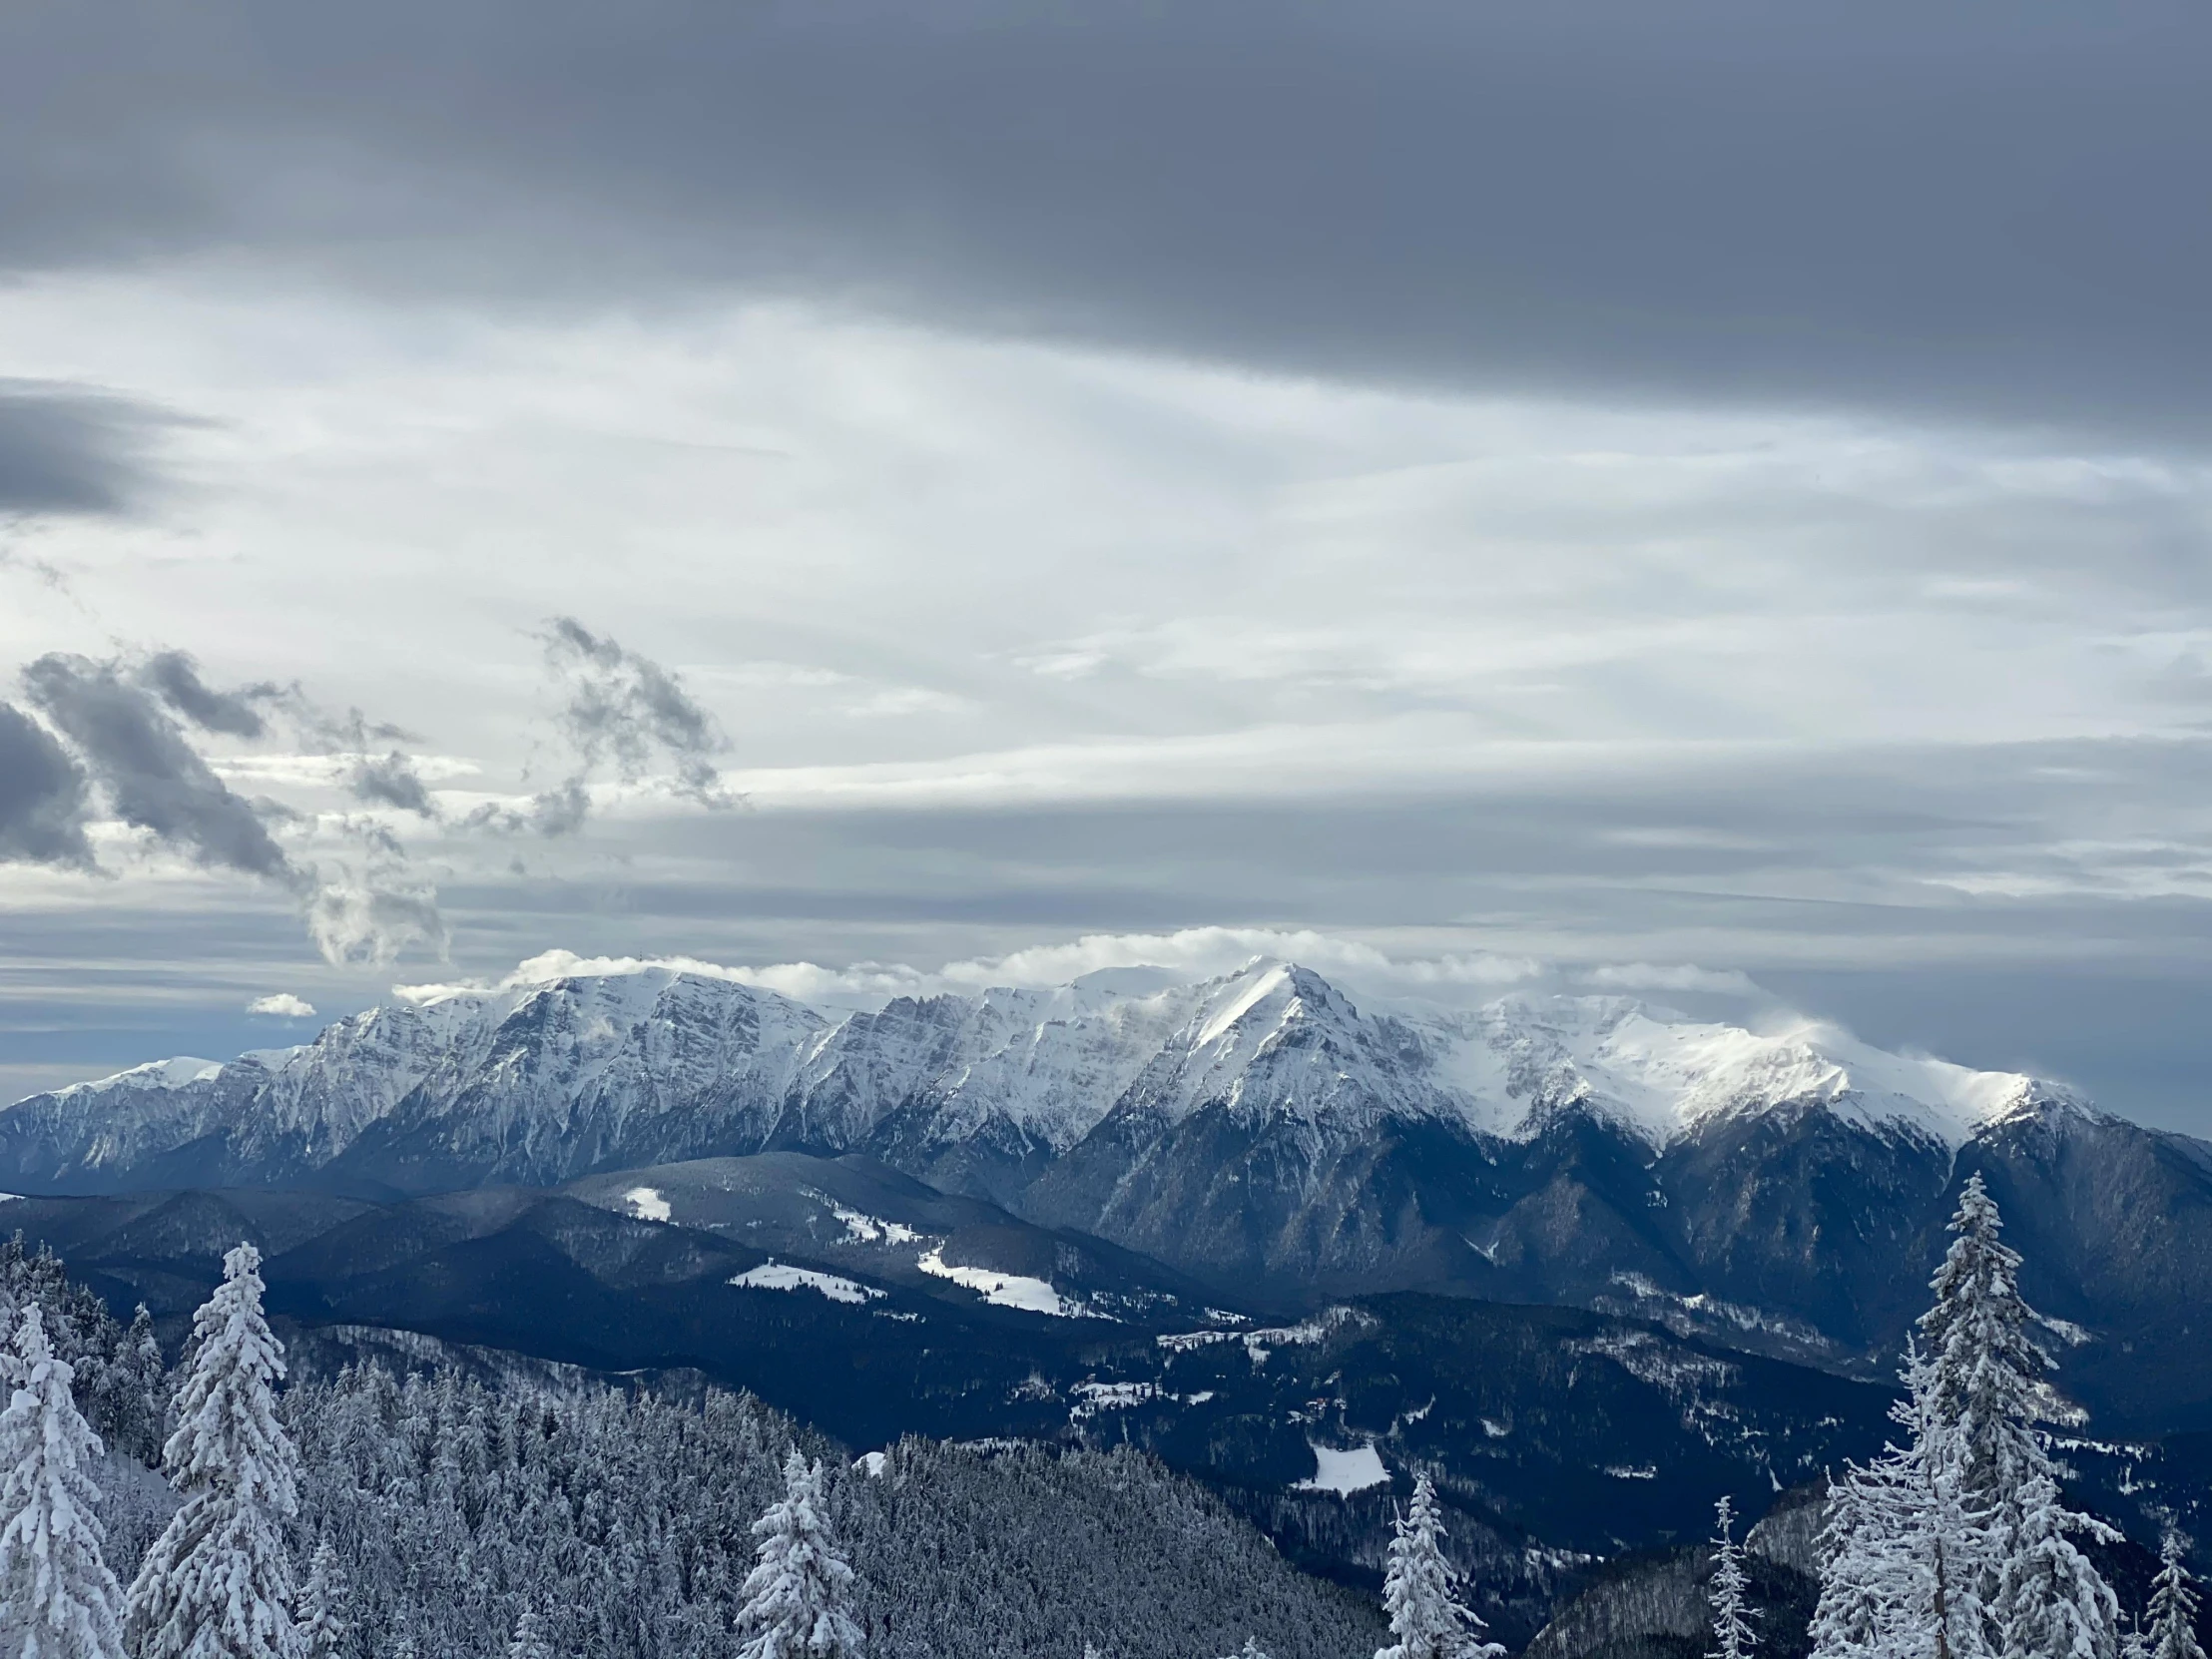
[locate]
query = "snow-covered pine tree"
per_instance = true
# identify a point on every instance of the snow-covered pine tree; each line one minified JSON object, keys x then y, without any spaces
{"x":58,"y":1600}
{"x":136,"y":1382}
{"x":529,"y":1638}
{"x":2051,"y":1602}
{"x":1900,"y":1565}
{"x":2133,"y":1643}
{"x":1251,"y":1650}
{"x":1419,"y":1592}
{"x":218,"y":1583}
{"x":1849,"y":1610}
{"x":323,"y":1622}
{"x":799,"y":1595}
{"x":2173,"y":1604}
{"x":1733,"y":1637}
{"x":1986,"y":1390}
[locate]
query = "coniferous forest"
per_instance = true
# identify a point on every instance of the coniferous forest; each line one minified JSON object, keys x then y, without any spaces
{"x":221,"y":1505}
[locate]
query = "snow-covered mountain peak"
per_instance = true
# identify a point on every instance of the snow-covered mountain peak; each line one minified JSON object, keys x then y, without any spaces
{"x":547,"y":1073}
{"x":1663,"y":1076}
{"x":155,"y":1074}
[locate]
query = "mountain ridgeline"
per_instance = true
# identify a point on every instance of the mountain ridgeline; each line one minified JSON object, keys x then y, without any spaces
{"x":1258,"y":1133}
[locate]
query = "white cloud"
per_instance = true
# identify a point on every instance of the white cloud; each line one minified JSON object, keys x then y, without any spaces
{"x":283,"y":1005}
{"x":1189,"y":955}
{"x":1676,"y":976}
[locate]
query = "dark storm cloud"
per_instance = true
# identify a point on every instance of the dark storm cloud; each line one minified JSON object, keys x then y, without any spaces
{"x":118,"y":718}
{"x":176,"y":678}
{"x":1986,"y":209}
{"x":69,"y":449}
{"x":42,"y":796}
{"x":158,"y":782}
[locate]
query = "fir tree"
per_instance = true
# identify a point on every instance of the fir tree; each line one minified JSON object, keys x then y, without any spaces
{"x":2133,"y":1643}
{"x":58,"y":1600}
{"x":1901,"y":1566}
{"x":323,"y":1622}
{"x":218,"y":1583}
{"x":2173,"y":1606}
{"x":2051,"y":1603}
{"x":799,"y":1594}
{"x":138,"y":1374}
{"x":1985,"y":1392}
{"x":1419,"y":1592}
{"x":1733,"y":1636}
{"x":1987,"y":1370}
{"x":529,"y":1638}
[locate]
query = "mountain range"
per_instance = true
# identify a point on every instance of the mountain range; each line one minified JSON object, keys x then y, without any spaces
{"x":1259,"y":1134}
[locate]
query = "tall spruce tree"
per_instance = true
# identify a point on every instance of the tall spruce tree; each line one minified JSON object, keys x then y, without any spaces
{"x":1420,"y":1590}
{"x":1988,"y":1389}
{"x":2051,"y":1602}
{"x":799,"y":1595}
{"x":2173,"y":1606}
{"x":1729,"y":1592}
{"x":58,"y":1600}
{"x":218,"y":1583}
{"x":323,"y":1623}
{"x":528,"y":1641}
{"x":1901,"y":1566}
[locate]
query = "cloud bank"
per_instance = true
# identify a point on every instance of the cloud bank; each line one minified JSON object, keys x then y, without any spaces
{"x":1876,"y":206}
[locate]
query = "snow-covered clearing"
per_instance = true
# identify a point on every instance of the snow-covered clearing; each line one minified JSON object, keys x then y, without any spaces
{"x":782,"y":1276}
{"x":1007,"y":1290}
{"x":1345,"y":1472}
{"x":647,"y":1203}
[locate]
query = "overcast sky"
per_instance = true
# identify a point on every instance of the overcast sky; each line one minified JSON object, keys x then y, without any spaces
{"x":1704,"y":500}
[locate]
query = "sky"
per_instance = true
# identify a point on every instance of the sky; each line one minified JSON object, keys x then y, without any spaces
{"x":1707,"y":501}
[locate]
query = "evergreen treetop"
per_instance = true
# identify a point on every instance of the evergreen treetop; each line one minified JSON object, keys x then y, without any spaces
{"x":1419,"y":1590}
{"x":2173,"y":1604}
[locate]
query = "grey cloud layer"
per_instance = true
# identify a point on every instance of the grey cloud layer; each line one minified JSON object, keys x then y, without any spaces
{"x":42,"y":796}
{"x":126,"y":727}
{"x":615,"y":705}
{"x":122,"y":720}
{"x":156,"y":781}
{"x":69,"y":449}
{"x":1883,"y":204}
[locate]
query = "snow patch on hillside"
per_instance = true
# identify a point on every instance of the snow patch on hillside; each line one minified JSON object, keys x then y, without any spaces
{"x":780,"y":1276}
{"x":1345,"y":1472}
{"x":861,"y":1228}
{"x":647,"y":1203}
{"x":1005,"y":1289}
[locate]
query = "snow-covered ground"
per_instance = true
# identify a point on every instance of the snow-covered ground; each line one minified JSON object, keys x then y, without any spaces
{"x":782,"y":1276}
{"x":1345,"y":1472}
{"x":1007,"y":1290}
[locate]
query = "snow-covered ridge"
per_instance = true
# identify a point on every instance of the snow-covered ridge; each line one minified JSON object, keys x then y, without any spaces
{"x":547,"y":1074}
